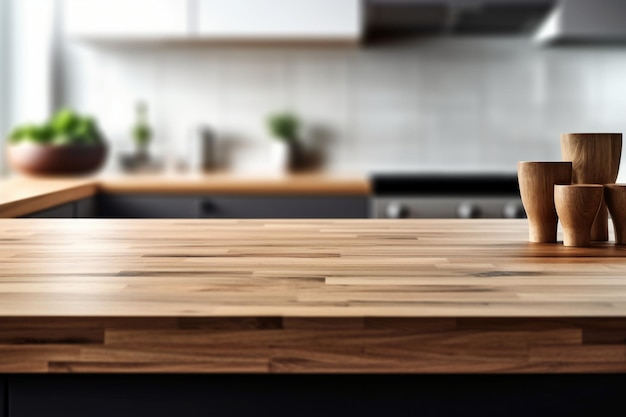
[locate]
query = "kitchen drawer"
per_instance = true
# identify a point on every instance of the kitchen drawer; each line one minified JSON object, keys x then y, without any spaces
{"x":64,"y":211}
{"x":85,"y":208}
{"x":3,"y":397}
{"x":148,"y":206}
{"x":231,"y":207}
{"x":511,"y":395}
{"x":78,"y":209}
{"x":275,"y":207}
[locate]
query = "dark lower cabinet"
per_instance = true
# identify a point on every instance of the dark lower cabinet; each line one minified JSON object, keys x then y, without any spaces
{"x":85,"y":208}
{"x":305,"y":207}
{"x":64,"y":211}
{"x":231,"y":207}
{"x":217,"y":207}
{"x":4,"y":405}
{"x":315,"y":395}
{"x":77,"y":209}
{"x":147,"y":206}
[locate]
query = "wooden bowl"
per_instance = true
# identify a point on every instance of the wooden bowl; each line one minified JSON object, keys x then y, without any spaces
{"x":35,"y":159}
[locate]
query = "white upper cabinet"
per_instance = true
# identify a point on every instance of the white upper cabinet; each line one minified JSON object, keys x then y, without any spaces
{"x":257,"y":20}
{"x":127,"y":18}
{"x":214,"y":20}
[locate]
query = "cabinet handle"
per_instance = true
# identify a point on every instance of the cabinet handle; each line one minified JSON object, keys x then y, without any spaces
{"x":208,"y":205}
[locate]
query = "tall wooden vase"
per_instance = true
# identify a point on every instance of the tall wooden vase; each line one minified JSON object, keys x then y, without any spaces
{"x":595,"y":160}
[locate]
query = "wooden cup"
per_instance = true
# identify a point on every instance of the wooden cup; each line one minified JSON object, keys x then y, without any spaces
{"x":577,"y":207}
{"x":536,"y":184}
{"x":615,"y":199}
{"x":595,"y":160}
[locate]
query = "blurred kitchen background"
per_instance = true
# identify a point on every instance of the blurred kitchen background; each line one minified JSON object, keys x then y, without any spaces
{"x":377,"y":85}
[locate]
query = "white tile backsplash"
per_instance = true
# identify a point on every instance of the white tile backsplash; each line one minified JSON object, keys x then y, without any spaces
{"x":444,"y":103}
{"x":254,"y":81}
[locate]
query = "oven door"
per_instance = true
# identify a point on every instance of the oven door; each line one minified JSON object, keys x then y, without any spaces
{"x":447,"y":207}
{"x":446,"y":196}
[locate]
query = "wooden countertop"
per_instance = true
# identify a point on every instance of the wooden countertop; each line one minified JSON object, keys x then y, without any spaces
{"x":314,"y":268}
{"x":304,"y":184}
{"x":22,"y":196}
{"x":279,"y":296}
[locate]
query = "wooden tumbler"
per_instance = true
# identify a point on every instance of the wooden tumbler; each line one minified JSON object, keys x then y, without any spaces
{"x":536,"y":184}
{"x":595,"y":160}
{"x":577,"y":206}
{"x":615,"y":199}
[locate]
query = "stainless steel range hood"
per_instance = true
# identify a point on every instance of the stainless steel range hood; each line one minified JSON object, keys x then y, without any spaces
{"x":584,"y":21}
{"x":455,"y":17}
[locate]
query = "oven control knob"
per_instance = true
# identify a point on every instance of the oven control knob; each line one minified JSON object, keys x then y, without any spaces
{"x":397,"y":211}
{"x":468,"y":211}
{"x":514,"y":211}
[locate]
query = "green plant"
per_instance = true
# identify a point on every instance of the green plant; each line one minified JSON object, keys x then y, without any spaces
{"x":141,"y":130}
{"x":284,"y":126}
{"x":66,"y":127}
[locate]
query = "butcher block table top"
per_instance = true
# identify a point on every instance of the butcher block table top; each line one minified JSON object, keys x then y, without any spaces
{"x":318,"y":268}
{"x":92,"y":295}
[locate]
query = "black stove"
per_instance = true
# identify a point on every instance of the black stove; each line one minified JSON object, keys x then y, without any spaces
{"x":446,"y":195}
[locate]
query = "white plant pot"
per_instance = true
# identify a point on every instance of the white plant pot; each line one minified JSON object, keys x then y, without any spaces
{"x":267,"y":157}
{"x":278,"y":157}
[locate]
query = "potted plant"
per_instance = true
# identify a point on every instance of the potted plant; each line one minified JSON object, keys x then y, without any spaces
{"x":68,"y":143}
{"x":285,"y":127}
{"x":141,"y":132}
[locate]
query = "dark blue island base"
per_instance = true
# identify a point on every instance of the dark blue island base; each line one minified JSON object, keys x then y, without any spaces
{"x":157,"y":395}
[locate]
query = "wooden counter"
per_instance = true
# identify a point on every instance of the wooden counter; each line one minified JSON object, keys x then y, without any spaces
{"x":305,"y":296}
{"x":22,"y":196}
{"x":236,"y":184}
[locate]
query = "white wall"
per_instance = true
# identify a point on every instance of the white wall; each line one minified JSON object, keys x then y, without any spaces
{"x":26,"y":40}
{"x":4,"y":79}
{"x":449,"y":104}
{"x":26,"y":64}
{"x":30,"y":59}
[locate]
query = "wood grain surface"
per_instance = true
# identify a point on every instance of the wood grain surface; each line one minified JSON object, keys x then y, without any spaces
{"x":294,"y":184}
{"x":615,"y":199}
{"x":305,"y":296}
{"x":312,"y":345}
{"x":577,"y":206}
{"x":351,"y":268}
{"x":23,"y":196}
{"x":595,"y":160}
{"x":536,"y":184}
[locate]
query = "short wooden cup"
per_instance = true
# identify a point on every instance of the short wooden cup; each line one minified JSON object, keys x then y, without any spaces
{"x":615,"y":199}
{"x":536,"y":184}
{"x":577,"y":206}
